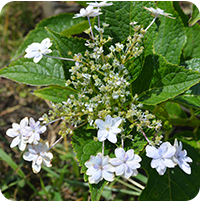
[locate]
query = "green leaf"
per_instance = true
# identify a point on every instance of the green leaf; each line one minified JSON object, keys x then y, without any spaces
{"x":55,"y":93}
{"x":192,"y":46}
{"x":77,"y":29}
{"x":160,"y":80}
{"x":47,"y":71}
{"x":190,"y":138}
{"x":174,"y":185}
{"x":57,"y":23}
{"x":195,"y":16}
{"x":67,"y":44}
{"x":5,"y":157}
{"x":174,"y":110}
{"x":171,"y":36}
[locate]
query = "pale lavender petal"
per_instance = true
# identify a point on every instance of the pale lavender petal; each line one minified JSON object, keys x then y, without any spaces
{"x":130,"y":154}
{"x":115,"y":161}
{"x":120,"y":153}
{"x":120,"y":169}
{"x":128,"y":172}
{"x":152,"y":152}
{"x":155,"y":163}
{"x":105,"y":160}
{"x":185,"y":167}
{"x":133,"y":164}
{"x":170,"y":152}
{"x":161,"y":171}
{"x":91,"y":171}
{"x":109,"y":176}
{"x":169,"y":163}
{"x":97,"y":175}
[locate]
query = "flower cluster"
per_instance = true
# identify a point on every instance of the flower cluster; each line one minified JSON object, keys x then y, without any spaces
{"x":168,"y":156}
{"x":103,"y":100}
{"x":28,"y":132}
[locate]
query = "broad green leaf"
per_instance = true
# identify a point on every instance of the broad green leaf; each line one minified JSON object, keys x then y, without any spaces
{"x":55,"y":93}
{"x":171,"y":36}
{"x":192,"y":46}
{"x":191,"y":97}
{"x":48,"y":71}
{"x":77,"y":29}
{"x":175,"y":184}
{"x":66,"y":45}
{"x":160,"y":80}
{"x":195,"y":16}
{"x":57,"y":23}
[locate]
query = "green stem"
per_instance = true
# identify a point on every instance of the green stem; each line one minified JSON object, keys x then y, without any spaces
{"x":128,"y":185}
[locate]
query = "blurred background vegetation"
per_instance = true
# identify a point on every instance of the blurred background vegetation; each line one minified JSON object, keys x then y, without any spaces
{"x":63,"y":181}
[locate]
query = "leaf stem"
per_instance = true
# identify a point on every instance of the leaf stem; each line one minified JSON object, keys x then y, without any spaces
{"x":151,"y":22}
{"x":54,"y":57}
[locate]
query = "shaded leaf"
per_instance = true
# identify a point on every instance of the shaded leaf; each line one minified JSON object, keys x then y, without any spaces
{"x":195,"y":16}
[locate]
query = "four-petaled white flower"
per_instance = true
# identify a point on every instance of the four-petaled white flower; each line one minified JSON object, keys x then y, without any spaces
{"x":162,"y":157}
{"x":158,"y":11}
{"x":36,"y":50}
{"x":108,"y":128}
{"x":88,"y":12}
{"x":18,"y":132}
{"x":126,"y":163}
{"x":180,"y":157}
{"x":38,"y":155}
{"x":101,"y":4}
{"x":99,"y":168}
{"x":34,"y":130}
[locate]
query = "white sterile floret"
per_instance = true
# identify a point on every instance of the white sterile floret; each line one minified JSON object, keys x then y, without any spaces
{"x":101,"y":4}
{"x":34,"y":130}
{"x":36,"y":50}
{"x":99,"y":168}
{"x":18,"y":133}
{"x":125,"y":163}
{"x":89,"y":11}
{"x":38,"y":155}
{"x":180,"y":157}
{"x":108,"y":128}
{"x":162,"y":157}
{"x":158,"y":11}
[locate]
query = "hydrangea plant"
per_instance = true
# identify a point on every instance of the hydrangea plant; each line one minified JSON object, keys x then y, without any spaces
{"x":117,"y":93}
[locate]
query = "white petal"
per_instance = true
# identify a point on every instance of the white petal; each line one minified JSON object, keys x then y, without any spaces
{"x":97,"y":175}
{"x":116,"y":122}
{"x":169,"y":163}
{"x":36,"y":168}
{"x":120,"y":153}
{"x":22,"y":145}
{"x":152,"y":152}
{"x":88,"y":164}
{"x":109,"y":176}
{"x":128,"y":172}
{"x":47,"y":161}
{"x":105,"y":160}
{"x":29,"y":156}
{"x":91,"y":171}
{"x":47,"y":51}
{"x":154,"y":163}
{"x":115,"y":130}
{"x":120,"y":169}
{"x":170,"y":152}
{"x":24,"y":122}
{"x":102,"y":135}
{"x":185,"y":167}
{"x":38,"y":58}
{"x":100,"y":123}
{"x":160,"y":170}
{"x":108,"y":120}
{"x":115,"y":161}
{"x":15,"y":142}
{"x":11,"y":132}
{"x":133,"y":164}
{"x":130,"y":154}
{"x":112,"y":137}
